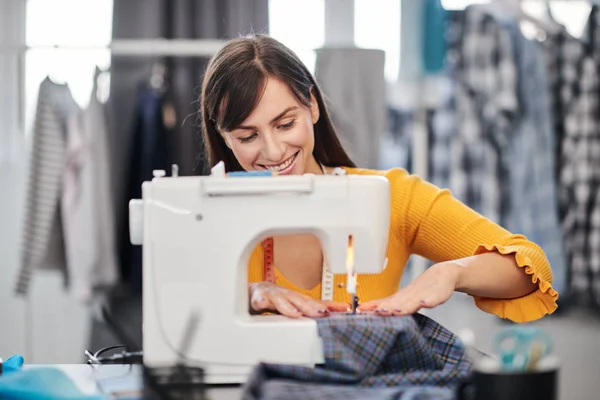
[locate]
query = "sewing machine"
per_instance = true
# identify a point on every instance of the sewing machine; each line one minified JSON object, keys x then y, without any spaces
{"x":198,"y":234}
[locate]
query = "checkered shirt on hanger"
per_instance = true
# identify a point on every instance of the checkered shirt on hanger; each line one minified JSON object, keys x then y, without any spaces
{"x":534,"y":204}
{"x":486,"y":104}
{"x":580,"y":182}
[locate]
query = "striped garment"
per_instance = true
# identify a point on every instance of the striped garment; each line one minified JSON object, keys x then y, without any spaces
{"x":43,"y":242}
{"x":370,"y":356}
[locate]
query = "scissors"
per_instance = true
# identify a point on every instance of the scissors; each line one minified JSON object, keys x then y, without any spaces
{"x":520,"y":348}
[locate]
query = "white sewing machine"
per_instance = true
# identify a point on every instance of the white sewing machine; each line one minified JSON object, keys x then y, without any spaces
{"x":197,"y":235}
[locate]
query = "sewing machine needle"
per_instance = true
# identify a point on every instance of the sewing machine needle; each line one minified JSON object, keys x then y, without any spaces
{"x":354,"y":304}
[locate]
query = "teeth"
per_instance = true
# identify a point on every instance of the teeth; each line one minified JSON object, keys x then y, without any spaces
{"x":283,"y":166}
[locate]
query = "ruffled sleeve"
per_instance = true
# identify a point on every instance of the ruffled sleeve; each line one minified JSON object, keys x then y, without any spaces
{"x":532,"y":260}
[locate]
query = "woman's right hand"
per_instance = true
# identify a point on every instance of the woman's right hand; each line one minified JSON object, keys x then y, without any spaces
{"x":266,"y":296}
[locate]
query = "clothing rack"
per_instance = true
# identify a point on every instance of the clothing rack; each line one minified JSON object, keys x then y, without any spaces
{"x":140,"y":47}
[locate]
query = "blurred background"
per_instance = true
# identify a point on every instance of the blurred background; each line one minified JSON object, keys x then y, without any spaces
{"x":497,"y":100}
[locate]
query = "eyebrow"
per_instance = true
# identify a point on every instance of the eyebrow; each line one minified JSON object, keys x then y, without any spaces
{"x":278,"y":117}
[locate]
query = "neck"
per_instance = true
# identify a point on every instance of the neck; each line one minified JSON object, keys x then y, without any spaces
{"x":315,"y":168}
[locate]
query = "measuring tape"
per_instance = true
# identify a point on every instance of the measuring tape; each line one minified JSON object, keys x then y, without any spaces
{"x":326,"y":277}
{"x":269,"y":267}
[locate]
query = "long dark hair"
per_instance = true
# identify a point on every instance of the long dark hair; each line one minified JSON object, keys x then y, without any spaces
{"x":233,"y":84}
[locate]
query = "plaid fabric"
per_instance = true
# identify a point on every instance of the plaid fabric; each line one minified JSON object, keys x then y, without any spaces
{"x":486,"y":104}
{"x":580,"y":182}
{"x":444,"y":122}
{"x":564,"y":55}
{"x":534,"y":192}
{"x":369,"y":356}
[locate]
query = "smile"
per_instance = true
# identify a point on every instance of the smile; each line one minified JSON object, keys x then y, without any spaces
{"x":284,"y":166}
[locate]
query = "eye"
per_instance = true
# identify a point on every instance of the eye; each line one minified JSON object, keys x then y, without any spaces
{"x":248,"y":139}
{"x":288,"y":125}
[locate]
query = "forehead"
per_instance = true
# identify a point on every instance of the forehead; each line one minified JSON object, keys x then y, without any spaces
{"x":276,"y":97}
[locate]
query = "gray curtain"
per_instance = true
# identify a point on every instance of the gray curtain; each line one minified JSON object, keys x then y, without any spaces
{"x":171,"y":19}
{"x":353,"y":83}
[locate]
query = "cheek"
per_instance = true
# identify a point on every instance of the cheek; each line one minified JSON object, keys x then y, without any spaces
{"x":303,"y":136}
{"x":245,"y":153}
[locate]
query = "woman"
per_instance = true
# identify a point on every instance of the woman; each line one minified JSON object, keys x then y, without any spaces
{"x":262,"y":109}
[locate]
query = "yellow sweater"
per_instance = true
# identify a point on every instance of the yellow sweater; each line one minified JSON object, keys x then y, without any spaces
{"x":430,"y":222}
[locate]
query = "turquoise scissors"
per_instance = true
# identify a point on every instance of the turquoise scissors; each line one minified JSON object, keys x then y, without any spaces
{"x":520,"y":348}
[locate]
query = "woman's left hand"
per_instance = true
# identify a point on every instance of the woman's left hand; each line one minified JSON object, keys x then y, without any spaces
{"x":434,"y":287}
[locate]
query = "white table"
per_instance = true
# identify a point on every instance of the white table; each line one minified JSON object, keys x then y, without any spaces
{"x":100,"y":379}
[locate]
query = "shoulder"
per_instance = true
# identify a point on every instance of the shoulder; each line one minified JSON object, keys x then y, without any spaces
{"x":398,"y":177}
{"x":409,"y":192}
{"x":392,"y":173}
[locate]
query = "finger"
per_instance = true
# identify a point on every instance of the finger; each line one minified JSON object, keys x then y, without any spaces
{"x":407,"y":307}
{"x":394,"y":305}
{"x":369,"y":305}
{"x":284,"y":307}
{"x":309,"y":307}
{"x":336,"y":306}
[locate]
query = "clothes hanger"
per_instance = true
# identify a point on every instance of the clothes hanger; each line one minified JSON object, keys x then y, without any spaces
{"x":158,"y":76}
{"x":514,"y":9}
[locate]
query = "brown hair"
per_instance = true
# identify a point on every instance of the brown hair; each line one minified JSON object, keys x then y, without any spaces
{"x":233,"y":84}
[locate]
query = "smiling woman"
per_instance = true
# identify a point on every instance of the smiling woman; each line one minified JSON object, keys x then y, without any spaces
{"x":275,"y":118}
{"x":262,"y":110}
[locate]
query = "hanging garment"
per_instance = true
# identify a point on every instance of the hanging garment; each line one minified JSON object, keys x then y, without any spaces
{"x":444,"y":119}
{"x":564,"y":58}
{"x":87,"y":202}
{"x":533,"y":187}
{"x":368,"y":356}
{"x":396,"y":144}
{"x":43,"y":241}
{"x":444,"y":124}
{"x":580,"y":183}
{"x":564,"y":55}
{"x":149,"y":152}
{"x":486,"y":105}
{"x":433,"y":32}
{"x":353,"y":83}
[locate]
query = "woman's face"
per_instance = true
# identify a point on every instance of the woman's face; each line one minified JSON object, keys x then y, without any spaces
{"x":278,"y":135}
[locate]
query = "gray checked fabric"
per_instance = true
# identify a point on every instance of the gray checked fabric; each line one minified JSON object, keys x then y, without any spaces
{"x":486,"y":104}
{"x":43,"y":240}
{"x":533,"y":187}
{"x":580,"y":182}
{"x":369,"y":356}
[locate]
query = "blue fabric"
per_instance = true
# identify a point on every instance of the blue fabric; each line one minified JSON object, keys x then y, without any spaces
{"x":434,"y":40}
{"x":534,"y":193}
{"x":13,"y":364}
{"x":44,"y":383}
{"x":369,"y":356}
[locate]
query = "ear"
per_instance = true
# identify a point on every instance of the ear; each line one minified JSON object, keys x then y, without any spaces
{"x":314,"y":107}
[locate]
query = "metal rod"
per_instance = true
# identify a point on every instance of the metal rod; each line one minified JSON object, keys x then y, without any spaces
{"x":138,"y":47}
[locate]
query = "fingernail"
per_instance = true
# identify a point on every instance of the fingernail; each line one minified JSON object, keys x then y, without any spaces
{"x":398,"y":310}
{"x":382,"y":310}
{"x":423,"y":302}
{"x":323,"y":311}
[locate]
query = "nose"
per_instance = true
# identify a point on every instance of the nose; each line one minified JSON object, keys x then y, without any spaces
{"x":274,"y":148}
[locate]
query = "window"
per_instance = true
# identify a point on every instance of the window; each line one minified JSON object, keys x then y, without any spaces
{"x":66,"y":40}
{"x":377,"y":26}
{"x":300,"y":25}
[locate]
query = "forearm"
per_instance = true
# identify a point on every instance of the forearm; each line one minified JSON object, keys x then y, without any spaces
{"x":491,"y":275}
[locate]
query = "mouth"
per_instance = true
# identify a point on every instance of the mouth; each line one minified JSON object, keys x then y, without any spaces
{"x":283,"y":168}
